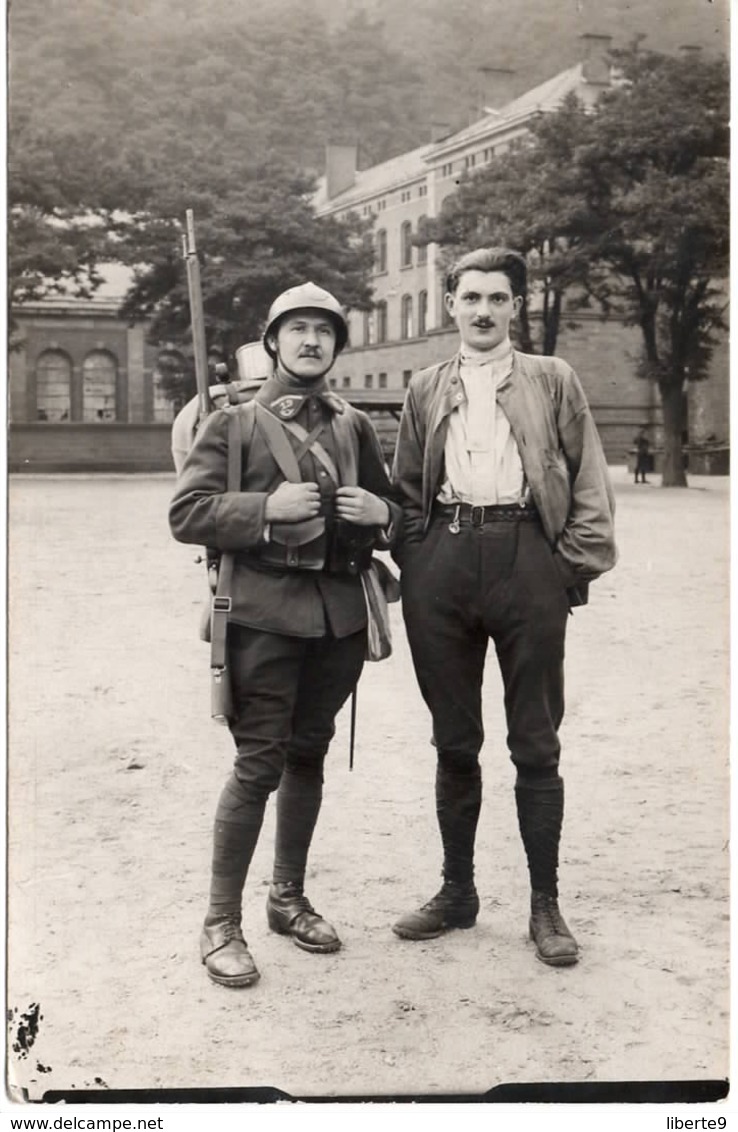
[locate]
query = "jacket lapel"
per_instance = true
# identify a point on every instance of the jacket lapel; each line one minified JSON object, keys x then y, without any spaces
{"x":449,"y":395}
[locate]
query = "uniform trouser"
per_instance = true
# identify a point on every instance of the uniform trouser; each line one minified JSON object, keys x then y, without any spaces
{"x":498,"y":581}
{"x":287,"y":692}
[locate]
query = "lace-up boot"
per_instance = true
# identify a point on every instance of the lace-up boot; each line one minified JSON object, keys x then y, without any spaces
{"x":455,"y":906}
{"x":289,"y":912}
{"x":224,"y":952}
{"x":547,"y":928}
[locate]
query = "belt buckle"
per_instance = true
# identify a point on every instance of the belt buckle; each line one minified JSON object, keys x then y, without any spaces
{"x":477,"y":516}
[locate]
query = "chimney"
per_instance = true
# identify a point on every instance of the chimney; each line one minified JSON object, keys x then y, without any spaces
{"x":595,"y":65}
{"x":494,"y":88}
{"x":340,"y":168}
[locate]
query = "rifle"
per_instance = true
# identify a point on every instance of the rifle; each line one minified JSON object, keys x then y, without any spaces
{"x":197,"y":316}
{"x":220,"y":567}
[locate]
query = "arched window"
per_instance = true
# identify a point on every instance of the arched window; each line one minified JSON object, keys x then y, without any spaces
{"x":53,"y":386}
{"x":406,"y":245}
{"x":406,"y":327}
{"x":381,"y":322}
{"x":422,"y":313}
{"x":99,"y":386}
{"x":170,"y":385}
{"x":381,"y":251}
{"x":423,"y":248}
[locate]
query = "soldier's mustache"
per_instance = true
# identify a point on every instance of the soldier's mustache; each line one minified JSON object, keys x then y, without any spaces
{"x":310,"y":352}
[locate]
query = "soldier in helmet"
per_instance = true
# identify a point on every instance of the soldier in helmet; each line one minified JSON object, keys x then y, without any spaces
{"x":297,"y":626}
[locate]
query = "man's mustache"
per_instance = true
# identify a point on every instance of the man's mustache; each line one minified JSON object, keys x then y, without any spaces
{"x":310,"y":352}
{"x":483,"y":323}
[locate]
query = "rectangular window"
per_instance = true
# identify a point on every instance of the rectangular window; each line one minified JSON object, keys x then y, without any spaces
{"x":406,"y":375}
{"x":382,"y":321}
{"x":406,"y":244}
{"x":346,"y":382}
{"x":368,"y":380}
{"x":380,"y":256}
{"x":383,"y":381}
{"x":422,"y":312}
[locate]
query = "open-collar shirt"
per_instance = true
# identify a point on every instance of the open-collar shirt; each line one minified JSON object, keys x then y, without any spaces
{"x":482,"y":461}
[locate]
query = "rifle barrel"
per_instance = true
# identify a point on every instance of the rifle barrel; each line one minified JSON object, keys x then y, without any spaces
{"x":197,"y":315}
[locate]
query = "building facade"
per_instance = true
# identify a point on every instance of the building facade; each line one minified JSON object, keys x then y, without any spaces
{"x":86,"y":388}
{"x":409,"y":326}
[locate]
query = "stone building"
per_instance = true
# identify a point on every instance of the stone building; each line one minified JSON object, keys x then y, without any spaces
{"x":85,"y":387}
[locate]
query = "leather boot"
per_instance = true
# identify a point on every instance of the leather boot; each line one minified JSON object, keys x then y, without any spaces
{"x":547,"y":928}
{"x":455,"y":906}
{"x":540,"y":806}
{"x":289,"y":912}
{"x":223,"y":949}
{"x":458,"y":802}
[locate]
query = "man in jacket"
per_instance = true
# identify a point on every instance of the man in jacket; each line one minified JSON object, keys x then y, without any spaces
{"x":508,"y":517}
{"x":315,"y":499}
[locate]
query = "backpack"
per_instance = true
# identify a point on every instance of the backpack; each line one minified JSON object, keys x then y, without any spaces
{"x":254,"y":366}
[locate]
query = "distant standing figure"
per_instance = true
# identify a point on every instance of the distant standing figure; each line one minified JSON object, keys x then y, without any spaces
{"x":643,"y":457}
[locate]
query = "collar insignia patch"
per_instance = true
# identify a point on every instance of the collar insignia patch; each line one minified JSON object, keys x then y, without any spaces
{"x":286,"y":407}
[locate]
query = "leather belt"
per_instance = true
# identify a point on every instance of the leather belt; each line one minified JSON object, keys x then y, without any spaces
{"x":465,"y":514}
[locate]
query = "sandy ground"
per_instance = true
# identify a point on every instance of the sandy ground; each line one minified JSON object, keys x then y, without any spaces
{"x":115,"y":768}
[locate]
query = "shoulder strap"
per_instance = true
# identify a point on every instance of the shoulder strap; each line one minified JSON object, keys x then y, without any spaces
{"x":277,"y":443}
{"x":344,"y":434}
{"x":310,"y":442}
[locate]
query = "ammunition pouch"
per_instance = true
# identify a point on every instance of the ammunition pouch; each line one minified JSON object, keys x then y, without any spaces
{"x":296,"y":546}
{"x":350,"y":549}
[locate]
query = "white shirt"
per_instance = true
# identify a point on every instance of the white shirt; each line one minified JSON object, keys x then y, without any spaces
{"x":483,"y":463}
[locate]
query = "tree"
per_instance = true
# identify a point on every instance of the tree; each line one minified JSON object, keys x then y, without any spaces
{"x":253,"y":242}
{"x":626,"y":205}
{"x":655,"y":165}
{"x":531,"y":200}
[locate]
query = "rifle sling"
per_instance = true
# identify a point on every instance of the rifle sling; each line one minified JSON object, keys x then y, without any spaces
{"x":221,"y":606}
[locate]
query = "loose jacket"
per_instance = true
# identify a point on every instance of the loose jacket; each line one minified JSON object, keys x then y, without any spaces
{"x":296,"y":602}
{"x":560,"y":450}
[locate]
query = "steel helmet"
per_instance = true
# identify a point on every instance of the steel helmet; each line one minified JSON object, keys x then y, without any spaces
{"x":307,"y":296}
